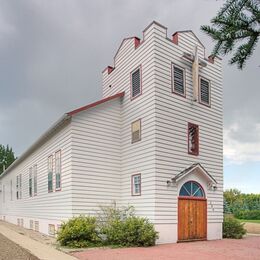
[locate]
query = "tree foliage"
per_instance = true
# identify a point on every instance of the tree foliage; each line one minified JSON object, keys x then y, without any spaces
{"x":236,"y":28}
{"x":238,"y":201}
{"x":7,"y":157}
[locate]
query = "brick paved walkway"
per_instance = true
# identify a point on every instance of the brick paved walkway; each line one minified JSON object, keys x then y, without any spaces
{"x":227,"y":249}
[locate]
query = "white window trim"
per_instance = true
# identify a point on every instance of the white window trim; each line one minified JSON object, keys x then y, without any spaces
{"x":134,"y":193}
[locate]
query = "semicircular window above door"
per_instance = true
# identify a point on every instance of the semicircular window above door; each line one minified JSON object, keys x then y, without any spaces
{"x":192,"y":189}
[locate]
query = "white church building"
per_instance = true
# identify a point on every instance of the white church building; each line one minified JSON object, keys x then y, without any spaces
{"x":154,"y":141}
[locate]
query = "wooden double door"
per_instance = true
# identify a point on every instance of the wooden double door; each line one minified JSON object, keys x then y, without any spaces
{"x":192,"y":219}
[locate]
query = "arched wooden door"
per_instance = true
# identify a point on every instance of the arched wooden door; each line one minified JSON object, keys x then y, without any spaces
{"x":192,"y":213}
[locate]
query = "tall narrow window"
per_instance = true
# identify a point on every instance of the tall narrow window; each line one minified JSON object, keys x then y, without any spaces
{"x":193,"y":139}
{"x":136,"y":184}
{"x":30,"y":181}
{"x":58,"y":170}
{"x":3,"y":193}
{"x":178,"y":84}
{"x":20,"y":186}
{"x":50,"y":173}
{"x":17,"y":187}
{"x":204,"y":91}
{"x":11,"y":190}
{"x":136,"y":131}
{"x":136,"y":83}
{"x":35,"y":180}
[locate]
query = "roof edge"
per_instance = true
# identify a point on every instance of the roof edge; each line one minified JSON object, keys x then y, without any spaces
{"x":60,"y":123}
{"x":101,"y":101}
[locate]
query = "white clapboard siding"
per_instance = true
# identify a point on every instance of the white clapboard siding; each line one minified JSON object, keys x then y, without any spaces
{"x":52,"y":206}
{"x":138,"y":157}
{"x":96,"y":156}
{"x":172,"y":115}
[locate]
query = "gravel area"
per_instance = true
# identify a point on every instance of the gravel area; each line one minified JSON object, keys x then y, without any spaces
{"x":11,"y":251}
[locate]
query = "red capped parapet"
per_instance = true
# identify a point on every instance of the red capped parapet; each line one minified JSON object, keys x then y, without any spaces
{"x":175,"y":38}
{"x":137,"y":41}
{"x":109,"y":69}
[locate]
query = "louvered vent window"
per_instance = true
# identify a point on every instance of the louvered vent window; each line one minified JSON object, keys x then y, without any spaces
{"x":204,"y":91}
{"x":193,"y":139}
{"x":136,"y":83}
{"x":136,"y":131}
{"x":178,"y":80}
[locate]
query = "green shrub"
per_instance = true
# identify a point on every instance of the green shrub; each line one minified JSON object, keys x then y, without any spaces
{"x":119,"y":226}
{"x":232,"y":228}
{"x":248,"y":214}
{"x":113,"y":226}
{"x":79,"y":232}
{"x":133,"y":231}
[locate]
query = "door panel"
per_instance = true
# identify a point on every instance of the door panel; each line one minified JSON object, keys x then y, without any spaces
{"x":192,"y":219}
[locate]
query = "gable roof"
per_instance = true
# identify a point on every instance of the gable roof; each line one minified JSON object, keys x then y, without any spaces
{"x":58,"y":125}
{"x":190,"y":169}
{"x":101,"y":101}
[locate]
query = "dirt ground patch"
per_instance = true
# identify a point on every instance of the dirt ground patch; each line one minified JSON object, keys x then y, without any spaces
{"x":226,"y":249}
{"x":253,"y":228}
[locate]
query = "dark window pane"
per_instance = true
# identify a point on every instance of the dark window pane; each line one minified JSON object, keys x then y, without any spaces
{"x":184,"y":192}
{"x":178,"y":80}
{"x":191,"y":189}
{"x":204,"y":91}
{"x":136,"y":83}
{"x":199,"y":193}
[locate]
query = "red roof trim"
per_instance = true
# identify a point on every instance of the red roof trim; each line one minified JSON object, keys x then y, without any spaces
{"x":73,"y":112}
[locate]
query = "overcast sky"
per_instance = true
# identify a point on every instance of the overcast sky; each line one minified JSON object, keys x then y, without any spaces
{"x":52,"y":53}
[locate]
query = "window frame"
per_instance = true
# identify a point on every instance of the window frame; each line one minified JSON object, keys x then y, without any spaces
{"x":11,"y":190}
{"x":141,"y":85}
{"x":133,"y":193}
{"x":57,"y":152}
{"x":48,"y":168}
{"x":192,"y":195}
{"x":140,"y":131}
{"x":17,"y":187}
{"x":200,"y":101}
{"x":196,"y":153}
{"x":172,"y":80}
{"x":35,"y":180}
{"x":20,"y":185}
{"x":3,"y":193}
{"x":30,"y":182}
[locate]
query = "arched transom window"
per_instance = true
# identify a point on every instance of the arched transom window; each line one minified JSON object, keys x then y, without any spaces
{"x":191,"y":189}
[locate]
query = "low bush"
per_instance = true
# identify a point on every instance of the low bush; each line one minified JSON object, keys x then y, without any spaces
{"x":232,"y":228}
{"x":132,"y":231}
{"x":248,"y":214}
{"x":79,"y":232}
{"x":113,"y":226}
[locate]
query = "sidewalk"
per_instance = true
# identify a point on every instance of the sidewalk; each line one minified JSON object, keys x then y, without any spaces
{"x":40,"y":250}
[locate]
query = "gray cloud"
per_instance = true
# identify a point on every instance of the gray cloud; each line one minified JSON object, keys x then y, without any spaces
{"x":52,"y":54}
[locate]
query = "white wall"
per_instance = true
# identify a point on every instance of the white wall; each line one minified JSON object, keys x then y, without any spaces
{"x":164,"y":119}
{"x":46,"y":207}
{"x":138,"y":157}
{"x":172,"y":115}
{"x":96,"y":157}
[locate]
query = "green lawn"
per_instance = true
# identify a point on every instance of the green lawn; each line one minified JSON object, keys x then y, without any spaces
{"x":250,"y":221}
